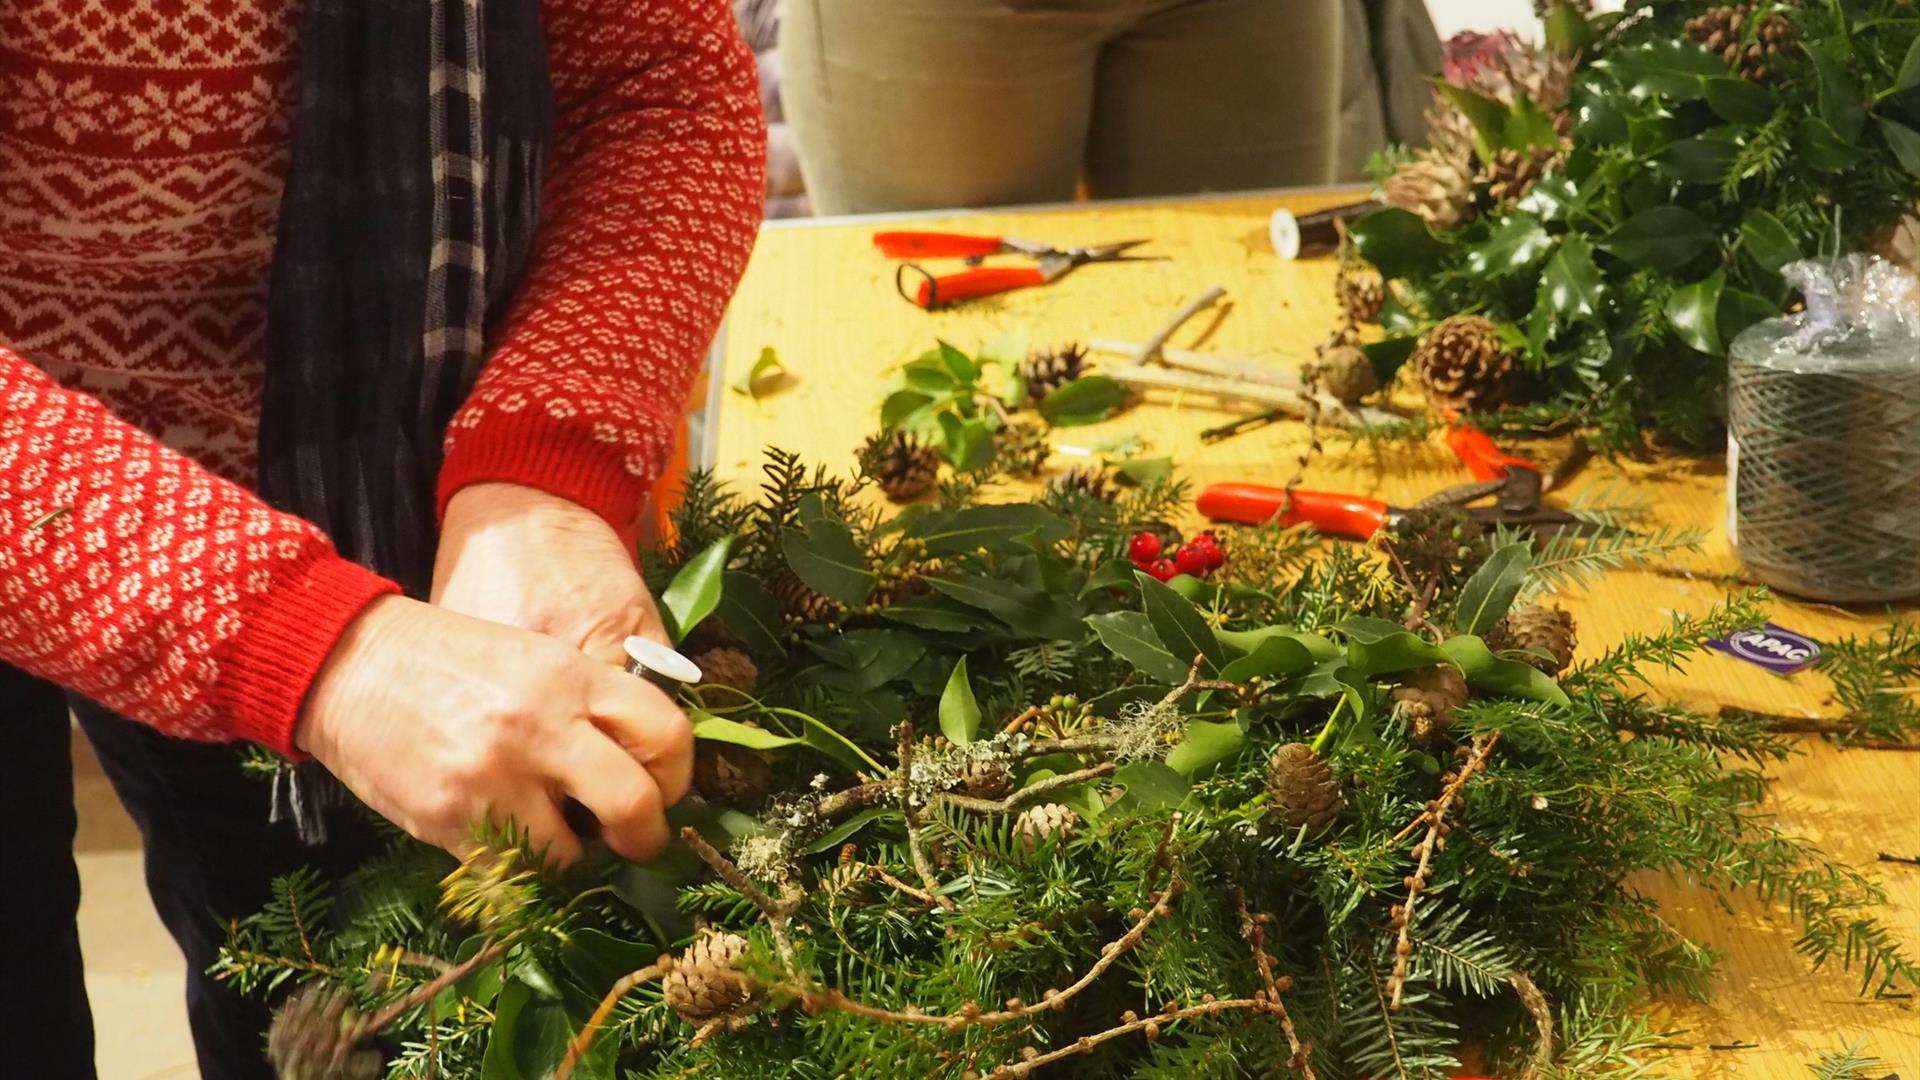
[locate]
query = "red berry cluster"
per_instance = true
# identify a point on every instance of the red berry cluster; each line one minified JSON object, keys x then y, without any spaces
{"x":1197,"y":557}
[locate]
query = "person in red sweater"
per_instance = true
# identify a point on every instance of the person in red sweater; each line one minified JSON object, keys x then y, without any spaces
{"x":143,"y":148}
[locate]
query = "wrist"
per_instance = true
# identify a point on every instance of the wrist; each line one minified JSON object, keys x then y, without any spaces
{"x":338,"y":686}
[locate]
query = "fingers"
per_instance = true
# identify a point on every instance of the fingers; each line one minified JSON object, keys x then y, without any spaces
{"x":648,"y":726}
{"x":618,"y":791}
{"x":651,"y":626}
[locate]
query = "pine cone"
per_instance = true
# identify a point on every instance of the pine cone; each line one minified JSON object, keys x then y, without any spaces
{"x":312,"y":1038}
{"x":902,"y":467}
{"x":1750,"y":50}
{"x":1463,"y":365}
{"x":706,"y":983}
{"x":1023,"y":448}
{"x":738,"y":776}
{"x":1038,"y":824}
{"x":1303,"y":788}
{"x":730,"y":667}
{"x":986,"y":778}
{"x":1345,"y":372}
{"x":1427,"y":699}
{"x":1052,"y":369}
{"x":1361,"y":294}
{"x":1437,"y":185}
{"x":1545,"y":633}
{"x":1512,"y":173}
{"x":802,"y":603}
{"x":1449,"y":132}
{"x":1090,"y":481}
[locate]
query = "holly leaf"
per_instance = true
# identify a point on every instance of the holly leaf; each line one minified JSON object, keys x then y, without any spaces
{"x":1571,"y":286}
{"x":1567,"y":30}
{"x":902,"y":406}
{"x":1820,"y":146}
{"x":720,"y":729}
{"x":1740,"y":101}
{"x":1517,"y":242}
{"x":1769,"y":243}
{"x":694,"y":592}
{"x":1180,"y":626}
{"x":968,"y":443}
{"x":959,"y":712}
{"x":1489,"y":593}
{"x":1388,"y":355}
{"x":1663,"y":237}
{"x":1088,"y":399}
{"x":825,"y":556}
{"x":1528,"y":125}
{"x":1675,"y":69}
{"x":1493,"y":674}
{"x":993,"y":526}
{"x":1207,"y":743}
{"x":1488,"y":117}
{"x":1130,"y":636}
{"x":1699,"y":160}
{"x":1397,"y":242}
{"x":1378,"y":647}
{"x":1693,"y":312}
{"x":1550,"y":197}
{"x":759,"y":377}
{"x":1841,"y":105}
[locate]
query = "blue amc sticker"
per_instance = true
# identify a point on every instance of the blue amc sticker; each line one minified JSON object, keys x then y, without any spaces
{"x":1772,"y":647}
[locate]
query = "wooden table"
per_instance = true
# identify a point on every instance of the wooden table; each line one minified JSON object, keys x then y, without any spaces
{"x":819,"y":294}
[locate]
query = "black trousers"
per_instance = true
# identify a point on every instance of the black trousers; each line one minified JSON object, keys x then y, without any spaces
{"x":211,"y":855}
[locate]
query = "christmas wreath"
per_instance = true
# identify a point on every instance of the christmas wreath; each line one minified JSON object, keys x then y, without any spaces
{"x":982,"y":795}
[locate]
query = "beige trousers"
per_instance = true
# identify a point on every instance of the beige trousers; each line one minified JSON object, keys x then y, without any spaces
{"x":920,"y":104}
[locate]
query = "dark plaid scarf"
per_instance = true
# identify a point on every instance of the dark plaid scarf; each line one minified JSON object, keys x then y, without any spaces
{"x":419,"y":145}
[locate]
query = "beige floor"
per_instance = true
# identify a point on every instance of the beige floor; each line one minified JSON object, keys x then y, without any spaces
{"x":134,"y":974}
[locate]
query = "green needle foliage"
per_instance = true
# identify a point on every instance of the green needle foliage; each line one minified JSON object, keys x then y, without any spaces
{"x":1177,"y":910}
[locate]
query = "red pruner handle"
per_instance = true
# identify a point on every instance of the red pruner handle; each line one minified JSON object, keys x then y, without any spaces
{"x":938,"y":292}
{"x":935,"y":245}
{"x":1354,"y":516}
{"x":1477,"y":451}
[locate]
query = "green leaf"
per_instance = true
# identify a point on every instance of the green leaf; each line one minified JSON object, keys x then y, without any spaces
{"x":1517,"y":242}
{"x":994,"y":526}
{"x":844,"y":831}
{"x":934,"y":613}
{"x":1767,"y":240}
{"x":1693,"y":312}
{"x":651,"y":891}
{"x":1571,"y":286}
{"x":1274,"y":656}
{"x":1816,"y":143}
{"x":1180,"y":626}
{"x":1740,"y":101}
{"x":1699,"y":160}
{"x":1598,"y":121}
{"x":1674,"y":69}
{"x":530,"y":1036}
{"x":1007,"y":350}
{"x":1088,"y":399}
{"x":1841,"y":105}
{"x":1487,"y":595}
{"x":827,"y":558}
{"x":1112,"y":574}
{"x":1130,"y":636}
{"x":1378,"y":647}
{"x":968,"y":443}
{"x":963,"y":368}
{"x":477,"y":987}
{"x":1151,"y":786}
{"x":1397,"y":242}
{"x":1030,"y":612}
{"x":1141,"y":470}
{"x":959,"y":712}
{"x":598,"y":959}
{"x":866,"y":659}
{"x":1486,"y":672}
{"x":1909,"y":76}
{"x":694,"y":592}
{"x":1488,"y":117}
{"x":767,"y":364}
{"x":1245,"y":642}
{"x":720,"y":729}
{"x":1567,"y":30}
{"x":1740,"y":309}
{"x":1206,"y":744}
{"x":1905,"y":143}
{"x":1551,"y":197}
{"x":1663,"y":237}
{"x":929,"y":374}
{"x":751,"y":613}
{"x":1389,"y":355}
{"x":901,"y":405}
{"x":1528,"y":125}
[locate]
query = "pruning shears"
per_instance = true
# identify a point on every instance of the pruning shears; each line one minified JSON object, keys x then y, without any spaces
{"x":936,"y":291}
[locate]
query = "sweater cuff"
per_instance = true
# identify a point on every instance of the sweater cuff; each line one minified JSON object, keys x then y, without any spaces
{"x":265,"y":674}
{"x":565,"y":459}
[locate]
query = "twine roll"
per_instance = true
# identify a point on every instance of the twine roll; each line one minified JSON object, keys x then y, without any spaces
{"x":1824,"y":464}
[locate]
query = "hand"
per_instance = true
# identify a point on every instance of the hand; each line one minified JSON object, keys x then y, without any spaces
{"x":517,"y":555}
{"x":437,"y":720}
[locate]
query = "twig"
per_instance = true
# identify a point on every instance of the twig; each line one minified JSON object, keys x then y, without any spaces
{"x":422,"y":994}
{"x":1542,"y":1013}
{"x":1480,"y":751}
{"x":1245,"y":423}
{"x":815,"y":998}
{"x":1567,"y":467}
{"x":1253,"y":928}
{"x":918,"y":894}
{"x":1149,"y":1024}
{"x":903,"y":773}
{"x":1417,"y":615}
{"x":1435,"y":816}
{"x":1028,"y":793}
{"x":1161,"y":851}
{"x":577,"y":1048}
{"x":1909,"y":860}
{"x":1020,"y":721}
{"x":1150,"y":349}
{"x":1849,"y":734}
{"x":776,"y":912}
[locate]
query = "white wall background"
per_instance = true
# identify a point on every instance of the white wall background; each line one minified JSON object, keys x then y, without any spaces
{"x":1452,"y":16}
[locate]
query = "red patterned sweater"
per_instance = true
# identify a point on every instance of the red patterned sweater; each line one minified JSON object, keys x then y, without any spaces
{"x":142,"y":148}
